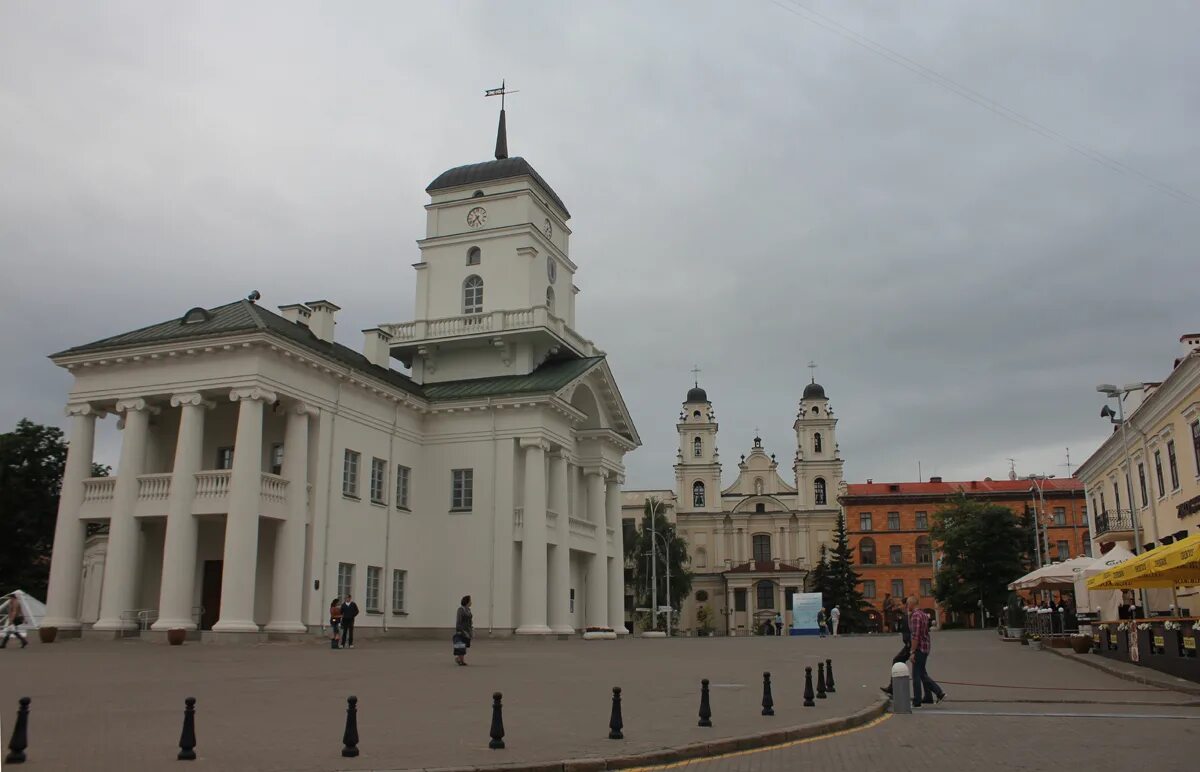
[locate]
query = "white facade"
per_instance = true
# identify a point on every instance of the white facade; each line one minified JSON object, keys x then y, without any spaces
{"x":265,"y":469}
{"x":754,"y":541}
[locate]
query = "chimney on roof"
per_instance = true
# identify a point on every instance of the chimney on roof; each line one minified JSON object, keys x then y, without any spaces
{"x":323,"y":319}
{"x":869,"y":481}
{"x":297,"y":312}
{"x":935,"y":479}
{"x":377,"y":347}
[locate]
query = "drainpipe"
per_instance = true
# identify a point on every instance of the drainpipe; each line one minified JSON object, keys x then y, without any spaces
{"x":495,"y":491}
{"x":387,"y":529}
{"x":337,"y":404}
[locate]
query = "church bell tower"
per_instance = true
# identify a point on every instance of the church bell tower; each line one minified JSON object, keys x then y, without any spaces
{"x":698,"y":464}
{"x":818,"y":464}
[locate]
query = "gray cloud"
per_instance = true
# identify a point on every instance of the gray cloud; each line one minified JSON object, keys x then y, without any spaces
{"x":750,"y":192}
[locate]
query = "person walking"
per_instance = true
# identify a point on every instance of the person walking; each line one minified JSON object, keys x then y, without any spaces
{"x":13,"y":621}
{"x":918,"y":625}
{"x":779,"y":624}
{"x":335,"y":621}
{"x":905,"y":651}
{"x":835,"y":616}
{"x":349,"y":612}
{"x":821,"y":624}
{"x":464,"y":629}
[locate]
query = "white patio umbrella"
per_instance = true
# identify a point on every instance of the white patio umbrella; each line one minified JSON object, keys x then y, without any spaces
{"x":1055,"y":576}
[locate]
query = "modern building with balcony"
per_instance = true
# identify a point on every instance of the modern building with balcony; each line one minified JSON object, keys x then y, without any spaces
{"x":266,"y":469}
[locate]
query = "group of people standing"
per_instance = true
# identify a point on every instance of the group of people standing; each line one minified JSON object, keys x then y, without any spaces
{"x":827,"y":623}
{"x":341,"y":621}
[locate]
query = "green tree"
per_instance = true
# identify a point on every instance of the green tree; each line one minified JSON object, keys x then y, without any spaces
{"x":839,"y":582}
{"x":984,"y":547}
{"x":637,"y":554}
{"x":31,"y":468}
{"x":818,"y":577}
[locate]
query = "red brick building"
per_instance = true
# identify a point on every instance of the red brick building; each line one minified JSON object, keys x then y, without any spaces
{"x":888,"y":527}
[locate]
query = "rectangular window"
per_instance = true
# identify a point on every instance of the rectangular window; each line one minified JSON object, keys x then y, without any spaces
{"x":864,"y":521}
{"x":225,"y":458}
{"x":923,"y":521}
{"x":893,"y":521}
{"x":345,"y":579}
{"x":403,"y":474}
{"x":762,"y":548}
{"x":572,"y":600}
{"x":739,"y":600}
{"x":926,"y":588}
{"x":1142,"y":483}
{"x":461,"y":487}
{"x":1162,"y":489}
{"x":895,"y":554}
{"x":868,"y":588}
{"x":1173,"y":466}
{"x":374,"y":577}
{"x":378,"y":480}
{"x":1196,"y":444}
{"x":628,"y":530}
{"x":1064,"y":549}
{"x":766,"y":595}
{"x":277,"y":458}
{"x":350,"y":473}
{"x":897,"y":588}
{"x":398,"y":579}
{"x":1117,"y":495}
{"x":1060,"y":515}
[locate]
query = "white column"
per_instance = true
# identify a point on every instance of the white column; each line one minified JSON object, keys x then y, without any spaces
{"x":241,"y":522}
{"x":121,"y":568}
{"x":287,"y":587}
{"x":616,"y":556}
{"x":597,"y":583}
{"x":560,"y":556}
{"x":179,"y":548}
{"x":533,"y":544}
{"x":66,"y":565}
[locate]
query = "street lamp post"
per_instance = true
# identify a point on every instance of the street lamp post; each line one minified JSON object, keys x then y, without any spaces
{"x":654,"y":536}
{"x":1039,"y":513}
{"x":1110,"y":391}
{"x":667,"y":552}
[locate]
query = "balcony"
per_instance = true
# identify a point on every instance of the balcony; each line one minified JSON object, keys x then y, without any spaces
{"x":211,"y":497}
{"x":1115,"y":524}
{"x":408,"y":336}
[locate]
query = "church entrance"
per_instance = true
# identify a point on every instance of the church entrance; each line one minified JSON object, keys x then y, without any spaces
{"x":210,"y":594}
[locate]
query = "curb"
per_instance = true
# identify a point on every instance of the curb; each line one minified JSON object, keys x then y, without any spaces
{"x":691,"y":751}
{"x":1100,"y":664}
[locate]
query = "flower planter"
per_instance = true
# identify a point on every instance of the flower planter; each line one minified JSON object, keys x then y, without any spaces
{"x":47,"y":634}
{"x":609,"y":636}
{"x":176,"y":636}
{"x":1035,"y":645}
{"x":1080,"y":644}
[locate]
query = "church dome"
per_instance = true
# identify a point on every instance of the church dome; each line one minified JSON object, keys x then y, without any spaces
{"x":697,"y":394}
{"x":814,"y":391}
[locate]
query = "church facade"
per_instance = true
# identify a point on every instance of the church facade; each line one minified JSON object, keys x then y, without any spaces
{"x":266,"y":469}
{"x":751,"y":543}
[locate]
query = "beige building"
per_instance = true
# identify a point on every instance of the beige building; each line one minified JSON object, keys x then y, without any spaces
{"x":1143,"y":483}
{"x":751,"y":543}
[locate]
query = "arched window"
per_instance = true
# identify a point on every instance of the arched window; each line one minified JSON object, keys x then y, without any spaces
{"x":474,"y":256}
{"x":819,"y":491}
{"x":550,"y":299}
{"x":924,"y":550}
{"x":473,"y":295}
{"x":866,"y":551}
{"x":698,"y":494}
{"x":762,"y":548}
{"x":816,"y":410}
{"x":696,"y":414}
{"x":697,"y":447}
{"x":816,"y":442}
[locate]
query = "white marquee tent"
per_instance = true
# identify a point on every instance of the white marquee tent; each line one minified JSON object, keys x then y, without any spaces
{"x":1104,"y":602}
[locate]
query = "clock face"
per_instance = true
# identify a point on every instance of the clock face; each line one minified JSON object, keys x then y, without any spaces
{"x":477,"y":217}
{"x":547,"y":228}
{"x":551,"y":269}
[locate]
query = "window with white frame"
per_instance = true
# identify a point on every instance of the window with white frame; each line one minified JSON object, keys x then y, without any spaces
{"x":1060,"y":515}
{"x":474,"y":256}
{"x":374,"y":577}
{"x":923,"y":521}
{"x":897,"y":588}
{"x":277,"y":458}
{"x":1064,"y":549}
{"x":893,"y":521}
{"x":926,"y":588}
{"x":697,"y":447}
{"x":473,"y":295}
{"x":345,"y":579}
{"x":378,"y":480}
{"x":461,"y":488}
{"x":403,"y":474}
{"x":864,"y":521}
{"x":868,"y":588}
{"x":1162,"y":489}
{"x":399,"y":577}
{"x":819,"y":492}
{"x":350,"y":473}
{"x":1171,"y":463}
{"x":225,"y":458}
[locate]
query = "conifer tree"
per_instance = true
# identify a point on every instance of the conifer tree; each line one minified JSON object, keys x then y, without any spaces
{"x":840,"y":583}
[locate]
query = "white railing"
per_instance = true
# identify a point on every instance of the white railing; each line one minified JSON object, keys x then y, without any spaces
{"x":274,"y":488}
{"x":514,"y":320}
{"x":154,"y":487}
{"x":98,"y":488}
{"x":495,"y":321}
{"x":213,"y":484}
{"x":582,"y":527}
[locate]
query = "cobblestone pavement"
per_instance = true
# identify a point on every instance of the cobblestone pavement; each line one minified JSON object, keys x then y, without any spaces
{"x":118,"y":705}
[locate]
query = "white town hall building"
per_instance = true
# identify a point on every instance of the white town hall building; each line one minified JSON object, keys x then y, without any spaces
{"x":266,"y":469}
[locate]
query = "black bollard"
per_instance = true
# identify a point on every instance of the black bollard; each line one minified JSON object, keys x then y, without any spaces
{"x":829,"y":676}
{"x":350,"y":736}
{"x":808,"y":690}
{"x":187,"y":737}
{"x":20,"y":735}
{"x":615,"y":724}
{"x":767,"y":703}
{"x":820,"y":680}
{"x":705,"y":710}
{"x":497,"y":723}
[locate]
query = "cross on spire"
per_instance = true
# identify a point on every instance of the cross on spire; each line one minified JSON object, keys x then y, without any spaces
{"x":696,"y":374}
{"x":812,"y":366}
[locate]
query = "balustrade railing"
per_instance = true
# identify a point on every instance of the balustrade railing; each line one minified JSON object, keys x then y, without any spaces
{"x":274,"y":488}
{"x":154,"y":487}
{"x":98,"y":488}
{"x":582,"y":527}
{"x":212,"y":484}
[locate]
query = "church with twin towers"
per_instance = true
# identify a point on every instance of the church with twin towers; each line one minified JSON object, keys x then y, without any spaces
{"x":752,"y":542}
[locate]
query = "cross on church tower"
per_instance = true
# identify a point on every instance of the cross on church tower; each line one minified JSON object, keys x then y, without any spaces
{"x":696,"y":374}
{"x":812,"y":366}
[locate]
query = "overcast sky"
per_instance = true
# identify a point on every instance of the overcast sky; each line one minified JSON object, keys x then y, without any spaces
{"x":750,"y":191}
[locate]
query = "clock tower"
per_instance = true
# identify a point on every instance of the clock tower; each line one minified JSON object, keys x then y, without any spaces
{"x":495,"y":290}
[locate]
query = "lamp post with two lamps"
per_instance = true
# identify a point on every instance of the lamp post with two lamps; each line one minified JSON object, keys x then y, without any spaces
{"x":1118,"y":418}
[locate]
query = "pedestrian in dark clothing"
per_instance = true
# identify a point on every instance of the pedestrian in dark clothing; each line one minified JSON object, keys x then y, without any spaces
{"x":464,"y":629}
{"x":349,"y":612}
{"x":918,"y":625}
{"x":905,"y":650}
{"x":335,"y":621}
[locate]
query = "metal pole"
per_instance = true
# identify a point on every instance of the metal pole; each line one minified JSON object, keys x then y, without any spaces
{"x":653,"y":569}
{"x":1133,"y":516}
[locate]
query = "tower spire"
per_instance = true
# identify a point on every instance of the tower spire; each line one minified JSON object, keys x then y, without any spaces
{"x":501,"y":130}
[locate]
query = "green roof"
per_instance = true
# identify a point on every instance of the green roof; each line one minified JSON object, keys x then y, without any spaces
{"x":245,"y":316}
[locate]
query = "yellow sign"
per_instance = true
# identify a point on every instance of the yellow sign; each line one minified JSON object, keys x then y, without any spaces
{"x":1112,"y":638}
{"x":1159,"y":642}
{"x":1189,"y":644}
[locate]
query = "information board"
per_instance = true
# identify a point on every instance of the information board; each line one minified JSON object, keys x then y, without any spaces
{"x":805,"y":606}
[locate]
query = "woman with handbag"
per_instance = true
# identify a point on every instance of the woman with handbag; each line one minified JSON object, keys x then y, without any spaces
{"x":335,"y":622}
{"x":463,"y":630}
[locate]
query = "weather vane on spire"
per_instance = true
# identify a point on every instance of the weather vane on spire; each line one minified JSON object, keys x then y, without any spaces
{"x":501,"y":131}
{"x":696,"y":374}
{"x":812,"y":366}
